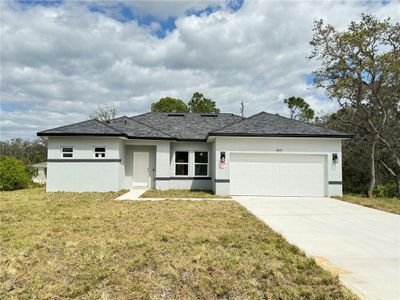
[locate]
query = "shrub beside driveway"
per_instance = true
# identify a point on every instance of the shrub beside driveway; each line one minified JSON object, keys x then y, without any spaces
{"x":87,"y":245}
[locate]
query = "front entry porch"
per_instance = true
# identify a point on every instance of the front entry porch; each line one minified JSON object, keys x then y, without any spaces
{"x":153,"y":164}
{"x":140,"y":166}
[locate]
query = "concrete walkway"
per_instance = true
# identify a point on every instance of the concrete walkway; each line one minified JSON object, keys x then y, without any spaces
{"x":133,"y":194}
{"x":360,"y":244}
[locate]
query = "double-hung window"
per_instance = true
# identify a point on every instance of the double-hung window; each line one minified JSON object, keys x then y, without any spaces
{"x":181,"y":163}
{"x":201,"y":164}
{"x":99,"y":152}
{"x":67,"y":152}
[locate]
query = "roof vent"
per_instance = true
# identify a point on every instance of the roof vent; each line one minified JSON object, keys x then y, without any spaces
{"x":176,"y":115}
{"x":209,"y":115}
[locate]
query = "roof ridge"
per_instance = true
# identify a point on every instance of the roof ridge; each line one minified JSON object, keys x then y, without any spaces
{"x":151,"y":127}
{"x":109,"y":126}
{"x":242,"y":120}
{"x":188,"y":113}
{"x":140,"y":115}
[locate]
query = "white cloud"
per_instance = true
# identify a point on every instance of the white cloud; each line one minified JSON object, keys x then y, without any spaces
{"x":167,"y":8}
{"x":59,"y":63}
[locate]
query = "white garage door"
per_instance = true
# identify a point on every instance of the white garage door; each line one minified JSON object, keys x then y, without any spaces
{"x":277,"y":174}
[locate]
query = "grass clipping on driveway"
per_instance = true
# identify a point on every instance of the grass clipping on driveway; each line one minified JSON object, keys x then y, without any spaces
{"x":86,"y":245}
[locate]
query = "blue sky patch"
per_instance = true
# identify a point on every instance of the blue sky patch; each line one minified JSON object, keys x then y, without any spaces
{"x":235,"y":4}
{"x":27,"y":3}
{"x":9,"y":107}
{"x":205,"y":11}
{"x":309,"y":79}
{"x":124,"y":14}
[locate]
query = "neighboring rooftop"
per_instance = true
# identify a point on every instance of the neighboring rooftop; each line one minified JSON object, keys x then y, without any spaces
{"x":42,"y":164}
{"x":194,"y":127}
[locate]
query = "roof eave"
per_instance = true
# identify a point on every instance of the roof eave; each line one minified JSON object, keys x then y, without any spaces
{"x":77,"y":134}
{"x":150,"y":138}
{"x":104,"y":135}
{"x":284,"y":135}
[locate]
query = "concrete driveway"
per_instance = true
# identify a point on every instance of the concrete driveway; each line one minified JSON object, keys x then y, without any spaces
{"x":360,"y":244}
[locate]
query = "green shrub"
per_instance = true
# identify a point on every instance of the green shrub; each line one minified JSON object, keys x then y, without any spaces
{"x":353,"y":185}
{"x":386,"y":190}
{"x":14,"y":175}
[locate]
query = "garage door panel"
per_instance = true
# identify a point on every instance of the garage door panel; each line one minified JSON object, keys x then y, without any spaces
{"x":277,"y":174}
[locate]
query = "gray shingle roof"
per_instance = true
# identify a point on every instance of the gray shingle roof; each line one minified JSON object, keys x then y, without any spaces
{"x":187,"y":126}
{"x":136,"y":129}
{"x":265,"y":124}
{"x":89,"y":127}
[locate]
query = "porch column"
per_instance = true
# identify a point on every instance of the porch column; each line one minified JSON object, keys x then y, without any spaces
{"x":162,"y":165}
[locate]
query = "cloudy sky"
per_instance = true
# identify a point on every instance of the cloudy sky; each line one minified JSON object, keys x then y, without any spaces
{"x":62,"y":59}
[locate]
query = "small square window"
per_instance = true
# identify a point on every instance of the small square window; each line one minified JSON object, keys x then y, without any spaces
{"x":99,"y":152}
{"x":67,"y":152}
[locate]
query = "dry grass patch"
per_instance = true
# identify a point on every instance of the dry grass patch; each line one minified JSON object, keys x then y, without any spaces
{"x":181,"y":194}
{"x":391,"y":205}
{"x":86,"y":245}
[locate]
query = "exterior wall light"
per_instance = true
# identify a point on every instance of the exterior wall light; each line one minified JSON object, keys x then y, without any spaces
{"x":335,"y":158}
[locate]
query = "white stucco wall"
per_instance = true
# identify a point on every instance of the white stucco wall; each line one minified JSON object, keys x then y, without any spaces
{"x":93,"y":174}
{"x":64,"y":174}
{"x":83,"y":177}
{"x":321,"y":146}
{"x":83,"y":146}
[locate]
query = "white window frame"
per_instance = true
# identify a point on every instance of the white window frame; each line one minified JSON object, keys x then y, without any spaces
{"x":62,"y":152}
{"x":94,"y":152}
{"x":194,"y":163}
{"x":180,"y":163}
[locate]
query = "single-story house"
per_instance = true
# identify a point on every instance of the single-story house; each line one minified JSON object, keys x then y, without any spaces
{"x":264,"y":154}
{"x":41,"y":174}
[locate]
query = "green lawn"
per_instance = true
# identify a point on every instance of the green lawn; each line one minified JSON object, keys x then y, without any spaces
{"x":88,"y":246}
{"x":181,"y":194}
{"x":386,"y":204}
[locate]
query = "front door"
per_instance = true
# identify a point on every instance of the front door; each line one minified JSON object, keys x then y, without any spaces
{"x":141,"y":168}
